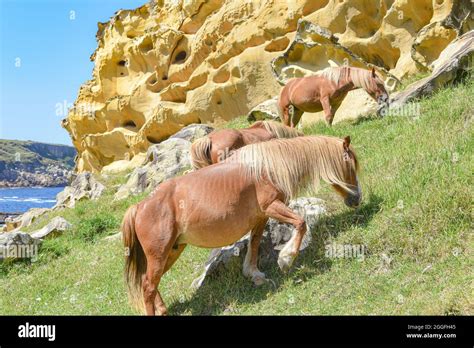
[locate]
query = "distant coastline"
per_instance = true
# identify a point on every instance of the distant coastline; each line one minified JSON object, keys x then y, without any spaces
{"x":34,"y":164}
{"x":8,"y":186}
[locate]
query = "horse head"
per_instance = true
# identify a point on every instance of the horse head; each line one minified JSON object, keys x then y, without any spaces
{"x":379,"y":93}
{"x":353,"y":195}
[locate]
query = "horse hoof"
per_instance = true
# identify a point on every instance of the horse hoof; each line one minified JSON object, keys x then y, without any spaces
{"x":161,"y":311}
{"x":259,"y":279}
{"x":285,"y":263}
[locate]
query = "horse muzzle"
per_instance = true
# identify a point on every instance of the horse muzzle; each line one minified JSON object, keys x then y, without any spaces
{"x":382,"y":109}
{"x":353,"y":200}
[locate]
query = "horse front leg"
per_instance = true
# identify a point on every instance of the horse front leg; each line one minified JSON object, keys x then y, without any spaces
{"x":328,"y":110}
{"x":250,"y":267}
{"x":280,"y":212}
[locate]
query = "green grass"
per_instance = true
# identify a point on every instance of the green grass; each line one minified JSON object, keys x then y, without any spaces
{"x":417,"y":184}
{"x":411,"y":79}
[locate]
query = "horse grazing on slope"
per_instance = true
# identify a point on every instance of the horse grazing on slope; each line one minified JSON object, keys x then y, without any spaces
{"x":217,"y":205}
{"x":220,"y":144}
{"x":326,"y":90}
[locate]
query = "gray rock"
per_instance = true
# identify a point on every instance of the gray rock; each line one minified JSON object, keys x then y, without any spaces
{"x":84,"y":186}
{"x":18,"y":245}
{"x":193,"y":132}
{"x":23,"y":220}
{"x":56,"y":226}
{"x":274,"y":238}
{"x":5,"y":216}
{"x":455,"y":61}
{"x":164,"y":161}
{"x":115,"y":236}
{"x":266,"y":110}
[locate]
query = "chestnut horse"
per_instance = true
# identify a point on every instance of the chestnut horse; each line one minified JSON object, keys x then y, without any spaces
{"x":217,"y":205}
{"x":326,"y":90}
{"x":220,"y":144}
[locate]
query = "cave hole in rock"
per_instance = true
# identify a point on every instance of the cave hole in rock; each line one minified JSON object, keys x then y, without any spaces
{"x":180,"y":57}
{"x":129,"y":124}
{"x":152,"y":139}
{"x":164,"y":78}
{"x":122,"y":63}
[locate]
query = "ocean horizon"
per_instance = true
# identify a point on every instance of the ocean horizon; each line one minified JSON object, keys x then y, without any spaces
{"x":21,"y":199}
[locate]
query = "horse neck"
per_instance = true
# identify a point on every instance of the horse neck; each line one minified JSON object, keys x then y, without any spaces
{"x":368,"y":87}
{"x":255,"y":134}
{"x":345,"y":82}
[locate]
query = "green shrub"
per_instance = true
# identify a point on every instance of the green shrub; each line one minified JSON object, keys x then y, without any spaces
{"x":90,"y":228}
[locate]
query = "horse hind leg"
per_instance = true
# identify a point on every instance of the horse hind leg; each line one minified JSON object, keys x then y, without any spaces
{"x":297,"y":113}
{"x":291,"y":115}
{"x":250,"y":267}
{"x":158,"y":262}
{"x":280,"y":212}
{"x":152,"y":297}
{"x":173,"y":256}
{"x":286,"y":115}
{"x":294,"y":115}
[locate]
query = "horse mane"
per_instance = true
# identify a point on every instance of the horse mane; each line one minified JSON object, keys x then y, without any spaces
{"x":361,"y":78}
{"x":278,"y":129}
{"x":298,"y":163}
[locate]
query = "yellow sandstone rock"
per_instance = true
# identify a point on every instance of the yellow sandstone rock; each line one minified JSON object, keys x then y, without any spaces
{"x":171,"y":63}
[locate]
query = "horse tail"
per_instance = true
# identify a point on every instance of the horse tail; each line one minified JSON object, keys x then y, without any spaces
{"x":201,"y":153}
{"x":135,"y":260}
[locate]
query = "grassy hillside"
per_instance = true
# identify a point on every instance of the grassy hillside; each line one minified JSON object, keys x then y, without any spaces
{"x":416,"y":222}
{"x":34,"y":152}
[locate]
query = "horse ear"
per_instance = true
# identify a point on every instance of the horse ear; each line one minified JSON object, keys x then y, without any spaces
{"x":346,"y":143}
{"x":373,"y":73}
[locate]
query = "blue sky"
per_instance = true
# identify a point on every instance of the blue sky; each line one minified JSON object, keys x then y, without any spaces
{"x":45,"y":50}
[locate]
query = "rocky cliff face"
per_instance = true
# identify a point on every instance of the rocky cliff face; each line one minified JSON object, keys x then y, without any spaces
{"x":170,"y":63}
{"x":28,"y":163}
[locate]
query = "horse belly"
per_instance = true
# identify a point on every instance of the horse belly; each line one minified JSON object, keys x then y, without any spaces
{"x":306,"y":101}
{"x":221,"y":233}
{"x":219,"y":218}
{"x":310,"y":106}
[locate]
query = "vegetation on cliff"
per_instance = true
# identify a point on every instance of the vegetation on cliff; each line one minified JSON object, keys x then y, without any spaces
{"x":29,"y":163}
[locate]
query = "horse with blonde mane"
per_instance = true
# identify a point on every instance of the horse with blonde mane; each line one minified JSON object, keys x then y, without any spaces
{"x":220,"y":144}
{"x":217,"y":205}
{"x":326,"y":90}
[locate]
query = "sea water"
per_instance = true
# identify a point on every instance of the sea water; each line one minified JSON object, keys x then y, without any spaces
{"x":18,"y":200}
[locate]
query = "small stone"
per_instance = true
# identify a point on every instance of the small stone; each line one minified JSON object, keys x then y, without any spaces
{"x":56,"y":226}
{"x":84,"y":186}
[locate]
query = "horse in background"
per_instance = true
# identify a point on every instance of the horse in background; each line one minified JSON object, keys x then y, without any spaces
{"x":326,"y":90}
{"x":217,"y":205}
{"x":220,"y":144}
